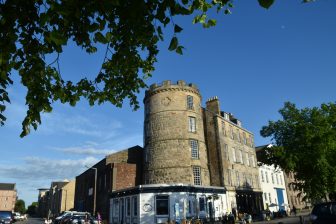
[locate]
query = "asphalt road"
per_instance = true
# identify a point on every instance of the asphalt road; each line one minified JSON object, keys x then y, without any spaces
{"x":31,"y":221}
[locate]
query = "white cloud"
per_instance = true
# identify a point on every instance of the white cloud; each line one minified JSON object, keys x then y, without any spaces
{"x":37,"y":169}
{"x":86,"y":150}
{"x":37,"y":172}
{"x":78,"y":124}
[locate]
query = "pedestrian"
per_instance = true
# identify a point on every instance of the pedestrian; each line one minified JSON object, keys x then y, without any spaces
{"x":99,"y":218}
{"x":234,"y":212}
{"x":294,"y":210}
{"x":86,"y":221}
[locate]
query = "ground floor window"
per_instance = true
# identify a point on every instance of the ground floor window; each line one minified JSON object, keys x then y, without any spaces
{"x":202,"y":204}
{"x":162,"y":205}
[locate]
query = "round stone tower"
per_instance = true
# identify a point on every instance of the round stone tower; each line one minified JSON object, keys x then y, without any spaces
{"x":175,"y":149}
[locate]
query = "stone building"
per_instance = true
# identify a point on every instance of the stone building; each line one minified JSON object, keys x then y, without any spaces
{"x":295,"y":197}
{"x":8,"y":196}
{"x":232,"y":158}
{"x":174,"y":143}
{"x":176,"y":173}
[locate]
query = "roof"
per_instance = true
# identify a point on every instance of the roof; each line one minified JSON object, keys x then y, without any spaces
{"x":7,"y":186}
{"x":258,"y":148}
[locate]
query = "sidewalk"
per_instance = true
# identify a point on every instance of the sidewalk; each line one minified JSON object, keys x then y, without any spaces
{"x":289,"y":220}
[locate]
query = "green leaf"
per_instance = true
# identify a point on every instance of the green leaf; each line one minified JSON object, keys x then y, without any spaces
{"x":212,"y":22}
{"x":177,"y":29}
{"x":99,"y":37}
{"x":179,"y":50}
{"x":266,"y":3}
{"x":173,"y":44}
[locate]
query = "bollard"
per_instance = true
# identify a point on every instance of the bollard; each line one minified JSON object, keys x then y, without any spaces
{"x":301,"y":219}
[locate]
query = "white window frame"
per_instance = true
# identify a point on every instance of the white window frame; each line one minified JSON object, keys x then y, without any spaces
{"x":194,"y":149}
{"x":197,"y":175}
{"x":156,"y":200}
{"x":190,"y":102}
{"x":192,"y":124}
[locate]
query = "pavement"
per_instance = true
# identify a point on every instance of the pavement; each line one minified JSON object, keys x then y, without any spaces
{"x":289,"y":220}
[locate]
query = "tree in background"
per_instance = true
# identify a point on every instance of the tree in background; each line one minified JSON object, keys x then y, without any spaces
{"x":32,"y":31}
{"x":20,"y":206}
{"x":32,"y":209}
{"x":305,"y":143}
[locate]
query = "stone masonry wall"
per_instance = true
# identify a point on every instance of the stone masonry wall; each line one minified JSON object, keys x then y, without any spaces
{"x":167,"y":137}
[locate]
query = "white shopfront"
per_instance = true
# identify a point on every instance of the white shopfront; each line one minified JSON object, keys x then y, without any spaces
{"x":166,"y":203}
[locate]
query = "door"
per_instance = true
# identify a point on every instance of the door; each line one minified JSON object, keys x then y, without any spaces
{"x":281,"y":201}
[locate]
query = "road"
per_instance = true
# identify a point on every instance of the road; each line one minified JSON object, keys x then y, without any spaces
{"x":31,"y":221}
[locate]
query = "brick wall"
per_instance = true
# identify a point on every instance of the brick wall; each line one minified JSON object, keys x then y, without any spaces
{"x":125,"y":175}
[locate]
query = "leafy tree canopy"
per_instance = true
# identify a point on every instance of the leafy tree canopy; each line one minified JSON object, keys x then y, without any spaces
{"x":305,"y":142}
{"x":32,"y":30}
{"x":20,"y":206}
{"x":31,"y":210}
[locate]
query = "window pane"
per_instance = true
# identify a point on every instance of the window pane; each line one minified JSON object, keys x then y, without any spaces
{"x":192,"y":124}
{"x":135,"y":206}
{"x":202,"y":204}
{"x":190,"y":102}
{"x":197,"y":175}
{"x":194,"y":149}
{"x":128,"y":206}
{"x":162,"y":205}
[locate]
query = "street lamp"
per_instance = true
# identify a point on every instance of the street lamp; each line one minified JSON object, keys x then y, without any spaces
{"x":95,"y":190}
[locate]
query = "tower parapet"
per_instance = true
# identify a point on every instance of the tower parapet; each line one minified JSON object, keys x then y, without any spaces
{"x":167,"y":85}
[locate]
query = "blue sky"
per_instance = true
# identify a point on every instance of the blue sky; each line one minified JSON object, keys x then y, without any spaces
{"x":253,"y":60}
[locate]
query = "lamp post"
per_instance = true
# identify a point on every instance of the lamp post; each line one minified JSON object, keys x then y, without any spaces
{"x":95,"y":190}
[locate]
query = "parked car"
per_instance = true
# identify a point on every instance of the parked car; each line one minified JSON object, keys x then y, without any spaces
{"x":66,"y":217}
{"x":18,"y":217}
{"x":6,"y":217}
{"x":323,"y":213}
{"x":80,"y":219}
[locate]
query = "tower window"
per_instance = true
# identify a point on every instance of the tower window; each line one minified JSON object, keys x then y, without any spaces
{"x":192,"y":124}
{"x":197,"y":175}
{"x":194,"y":149}
{"x":190,"y":102}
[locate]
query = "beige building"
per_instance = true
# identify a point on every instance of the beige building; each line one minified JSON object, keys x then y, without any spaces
{"x":8,"y":196}
{"x":232,"y":159}
{"x":174,"y":142}
{"x":62,"y":195}
{"x":295,"y":197}
{"x":185,"y":143}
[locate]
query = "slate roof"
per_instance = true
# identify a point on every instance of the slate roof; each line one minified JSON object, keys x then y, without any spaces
{"x":7,"y":186}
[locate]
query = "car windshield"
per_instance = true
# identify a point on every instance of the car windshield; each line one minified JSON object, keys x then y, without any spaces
{"x":6,"y":215}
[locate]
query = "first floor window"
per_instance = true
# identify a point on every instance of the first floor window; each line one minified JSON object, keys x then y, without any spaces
{"x":162,"y":205}
{"x":197,"y":175}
